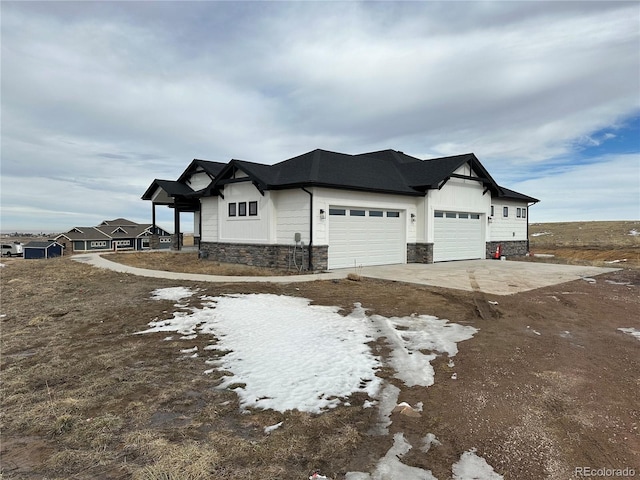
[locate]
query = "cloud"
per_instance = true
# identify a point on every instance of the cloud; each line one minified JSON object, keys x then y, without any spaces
{"x":108,"y":96}
{"x":607,"y":188}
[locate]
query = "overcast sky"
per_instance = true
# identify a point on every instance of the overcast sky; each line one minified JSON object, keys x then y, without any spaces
{"x":100,"y":98}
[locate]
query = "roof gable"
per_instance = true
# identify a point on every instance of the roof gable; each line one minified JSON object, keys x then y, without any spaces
{"x":207,"y":166}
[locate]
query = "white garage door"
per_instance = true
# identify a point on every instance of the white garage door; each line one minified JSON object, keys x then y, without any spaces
{"x":457,"y":236}
{"x":363,"y":236}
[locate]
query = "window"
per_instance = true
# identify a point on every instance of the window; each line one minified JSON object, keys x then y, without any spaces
{"x":122,"y":243}
{"x":492,"y":210}
{"x":253,"y":209}
{"x":450,"y":215}
{"x":463,"y":215}
{"x":524,"y":213}
{"x":337,"y":211}
{"x":242,"y":209}
{"x":375,"y":213}
{"x":98,"y":244}
{"x":505,"y":211}
{"x":438,"y":214}
{"x":518,"y":212}
{"x":232,"y":209}
{"x":165,"y":240}
{"x":356,"y":213}
{"x":475,"y":216}
{"x":393,"y":214}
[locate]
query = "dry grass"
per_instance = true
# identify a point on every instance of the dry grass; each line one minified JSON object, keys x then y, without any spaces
{"x":599,"y":235}
{"x":109,"y":404}
{"x":586,"y":243}
{"x":188,"y":262}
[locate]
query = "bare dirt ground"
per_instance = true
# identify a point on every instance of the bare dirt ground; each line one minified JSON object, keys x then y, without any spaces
{"x":546,"y":385}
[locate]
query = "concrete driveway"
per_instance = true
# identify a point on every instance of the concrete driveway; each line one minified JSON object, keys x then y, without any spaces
{"x":489,"y":276}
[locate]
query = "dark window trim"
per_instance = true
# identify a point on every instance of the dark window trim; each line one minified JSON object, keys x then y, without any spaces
{"x":242,"y":209}
{"x":505,"y":212}
{"x":393,"y":214}
{"x":232,"y":210}
{"x":253,"y":208}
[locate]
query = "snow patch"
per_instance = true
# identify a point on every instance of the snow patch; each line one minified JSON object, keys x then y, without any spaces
{"x":283,"y":353}
{"x":271,"y":428}
{"x":322,"y":357}
{"x":631,"y":331}
{"x":388,"y":400}
{"x":472,"y":467}
{"x":390,"y":465}
{"x":540,"y":234}
{"x":171,"y":293}
{"x":429,"y":440}
{"x":634,"y":232}
{"x":410,"y":336}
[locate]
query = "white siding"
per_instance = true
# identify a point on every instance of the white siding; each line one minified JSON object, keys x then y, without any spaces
{"x":209,"y":213}
{"x":511,"y":227}
{"x":198,"y":181}
{"x":458,"y":195}
{"x":247,"y":229}
{"x":291,"y":213}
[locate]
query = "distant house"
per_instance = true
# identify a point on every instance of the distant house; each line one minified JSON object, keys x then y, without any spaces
{"x":118,"y":234}
{"x":46,"y":249}
{"x":345,"y":210}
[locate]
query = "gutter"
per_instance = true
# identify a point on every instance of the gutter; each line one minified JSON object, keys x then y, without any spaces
{"x":310,"y":227}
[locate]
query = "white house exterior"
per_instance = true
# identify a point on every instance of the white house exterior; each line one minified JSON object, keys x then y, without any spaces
{"x":328,"y":210}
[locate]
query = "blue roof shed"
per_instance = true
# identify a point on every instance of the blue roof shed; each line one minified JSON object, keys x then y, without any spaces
{"x":48,"y":249}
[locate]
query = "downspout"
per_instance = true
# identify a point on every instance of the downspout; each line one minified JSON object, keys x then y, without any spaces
{"x":310,"y":227}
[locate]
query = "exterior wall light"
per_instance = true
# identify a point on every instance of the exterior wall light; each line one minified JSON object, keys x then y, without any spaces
{"x":413,"y":218}
{"x":322,"y":214}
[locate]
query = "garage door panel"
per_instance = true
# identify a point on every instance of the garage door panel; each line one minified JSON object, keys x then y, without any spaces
{"x":457,"y":236}
{"x":369,"y":239}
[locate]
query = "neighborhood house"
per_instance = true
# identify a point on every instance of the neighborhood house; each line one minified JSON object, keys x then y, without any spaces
{"x":337,"y":210}
{"x":118,"y":234}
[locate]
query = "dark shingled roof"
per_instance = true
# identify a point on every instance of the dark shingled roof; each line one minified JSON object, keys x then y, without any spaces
{"x":39,"y":244}
{"x":172,"y":187}
{"x":383,"y":171}
{"x":506,"y":193}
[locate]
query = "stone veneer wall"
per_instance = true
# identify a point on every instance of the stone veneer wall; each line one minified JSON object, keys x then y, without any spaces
{"x":261,"y":255}
{"x":177,"y":241}
{"x":511,"y":248}
{"x":154,"y":241}
{"x":420,"y":253}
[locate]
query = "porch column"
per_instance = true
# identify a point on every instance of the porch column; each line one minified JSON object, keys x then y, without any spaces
{"x":175,"y":244}
{"x":154,"y":241}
